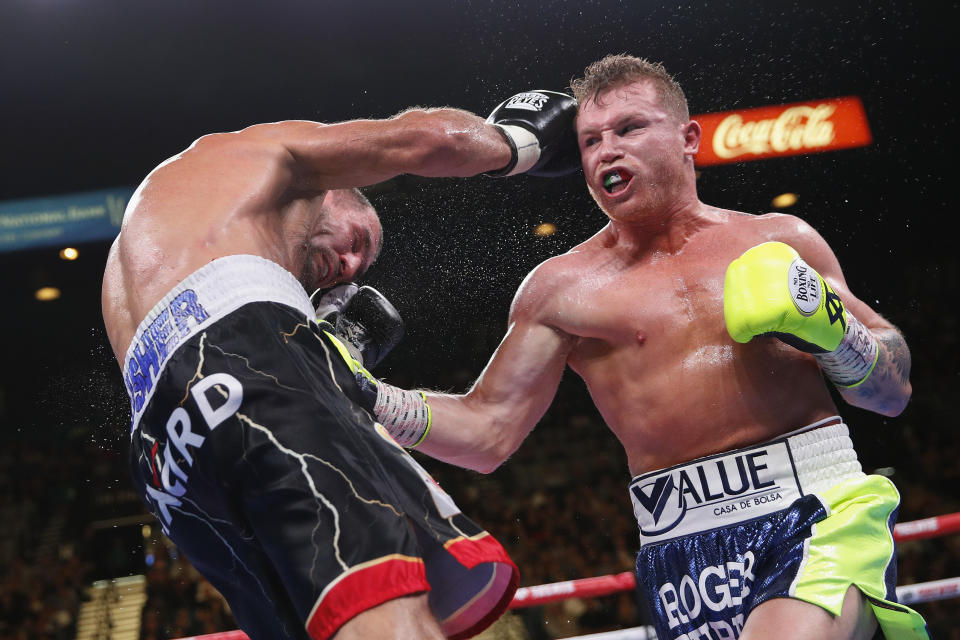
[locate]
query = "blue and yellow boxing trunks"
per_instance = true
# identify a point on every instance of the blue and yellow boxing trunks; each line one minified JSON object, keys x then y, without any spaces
{"x":794,"y":517}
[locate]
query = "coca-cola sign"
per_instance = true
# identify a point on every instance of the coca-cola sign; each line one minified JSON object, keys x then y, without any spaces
{"x":785,"y":130}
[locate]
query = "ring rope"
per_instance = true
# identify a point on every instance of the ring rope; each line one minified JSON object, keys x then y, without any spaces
{"x":608,"y":585}
{"x":927,"y":527}
{"x":626,"y":581}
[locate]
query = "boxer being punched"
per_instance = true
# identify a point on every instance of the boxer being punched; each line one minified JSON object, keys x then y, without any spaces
{"x":247,"y":441}
{"x":705,"y":337}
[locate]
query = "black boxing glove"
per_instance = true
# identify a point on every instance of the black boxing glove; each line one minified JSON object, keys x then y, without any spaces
{"x":365,"y":321}
{"x":364,"y":327}
{"x":538,"y":126}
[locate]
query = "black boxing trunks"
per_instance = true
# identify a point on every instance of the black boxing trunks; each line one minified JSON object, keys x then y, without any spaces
{"x":791,"y":518}
{"x":248,"y":445}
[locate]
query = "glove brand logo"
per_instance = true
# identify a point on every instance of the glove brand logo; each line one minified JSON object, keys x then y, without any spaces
{"x":354,"y":334}
{"x":714,"y":492}
{"x":529,"y":101}
{"x":804,"y":285}
{"x":835,"y":309}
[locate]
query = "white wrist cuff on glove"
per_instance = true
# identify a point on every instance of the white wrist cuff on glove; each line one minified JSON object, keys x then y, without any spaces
{"x":527,"y":145}
{"x":404,"y":413}
{"x":853,"y":360}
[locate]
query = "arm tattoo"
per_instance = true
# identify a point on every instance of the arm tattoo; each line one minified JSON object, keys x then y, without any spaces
{"x":883,"y":390}
{"x":894,"y":357}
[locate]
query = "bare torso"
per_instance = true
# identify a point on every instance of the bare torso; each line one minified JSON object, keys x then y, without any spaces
{"x":651,"y":344}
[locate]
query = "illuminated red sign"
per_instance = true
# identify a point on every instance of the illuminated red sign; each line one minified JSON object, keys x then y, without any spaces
{"x":784,"y":130}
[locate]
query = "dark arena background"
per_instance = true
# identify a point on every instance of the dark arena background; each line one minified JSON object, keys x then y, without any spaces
{"x":95,"y":93}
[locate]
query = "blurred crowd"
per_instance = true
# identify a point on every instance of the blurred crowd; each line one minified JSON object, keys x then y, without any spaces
{"x":560,"y":506}
{"x":43,"y":575}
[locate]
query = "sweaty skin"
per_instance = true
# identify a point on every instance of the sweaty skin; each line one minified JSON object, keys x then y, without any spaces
{"x":637,"y":312}
{"x":275,"y":191}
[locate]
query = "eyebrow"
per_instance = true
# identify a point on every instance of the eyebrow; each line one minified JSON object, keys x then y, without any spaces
{"x":619,"y":122}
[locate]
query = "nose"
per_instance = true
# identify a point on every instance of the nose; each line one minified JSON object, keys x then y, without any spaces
{"x":609,"y":148}
{"x":350,"y":264}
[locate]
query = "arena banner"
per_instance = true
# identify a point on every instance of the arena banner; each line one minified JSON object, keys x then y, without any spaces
{"x":62,"y":220}
{"x":783,"y":130}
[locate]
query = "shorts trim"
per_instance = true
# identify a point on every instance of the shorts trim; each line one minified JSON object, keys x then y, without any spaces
{"x":363,"y":587}
{"x":205,"y":296}
{"x":803,"y":562}
{"x":854,"y":545}
{"x":459,"y":539}
{"x":494,"y":598}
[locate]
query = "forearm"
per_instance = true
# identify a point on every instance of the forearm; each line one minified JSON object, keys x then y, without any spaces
{"x":483,"y":427}
{"x":451,"y":428}
{"x":480,"y":429}
{"x":451,"y":143}
{"x":887,"y":389}
{"x":425,"y":142}
{"x":467,"y":434}
{"x":477,"y":430}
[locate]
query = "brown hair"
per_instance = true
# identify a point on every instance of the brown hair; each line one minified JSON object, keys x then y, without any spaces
{"x":357,"y":197}
{"x":616,"y":70}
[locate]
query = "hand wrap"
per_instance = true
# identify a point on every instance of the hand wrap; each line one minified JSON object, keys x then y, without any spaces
{"x":404,"y":413}
{"x":851,"y":363}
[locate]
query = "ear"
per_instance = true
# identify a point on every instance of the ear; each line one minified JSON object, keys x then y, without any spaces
{"x":691,"y":137}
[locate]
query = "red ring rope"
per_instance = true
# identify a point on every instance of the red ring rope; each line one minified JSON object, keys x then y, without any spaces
{"x":927,"y":527}
{"x":626,"y":581}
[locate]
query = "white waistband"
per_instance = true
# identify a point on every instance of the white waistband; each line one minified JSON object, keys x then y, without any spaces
{"x":727,"y":488}
{"x":206,"y":295}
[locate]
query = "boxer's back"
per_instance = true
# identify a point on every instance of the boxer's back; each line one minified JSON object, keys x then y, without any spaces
{"x":225,"y":195}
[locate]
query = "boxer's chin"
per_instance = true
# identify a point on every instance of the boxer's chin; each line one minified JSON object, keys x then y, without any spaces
{"x":309,"y":275}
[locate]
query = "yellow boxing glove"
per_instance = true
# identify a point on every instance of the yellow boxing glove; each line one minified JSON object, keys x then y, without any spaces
{"x":770,"y":290}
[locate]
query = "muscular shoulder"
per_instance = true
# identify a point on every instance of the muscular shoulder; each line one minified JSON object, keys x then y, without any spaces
{"x":250,"y":165}
{"x":781,"y":227}
{"x":260,"y":140}
{"x":799,"y":234}
{"x":540,"y":293}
